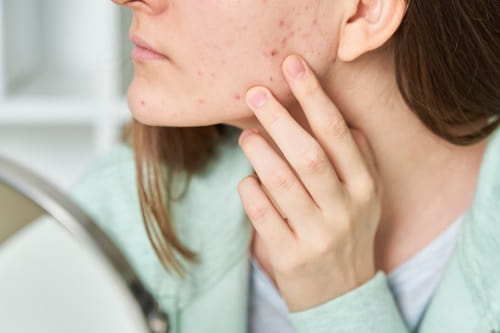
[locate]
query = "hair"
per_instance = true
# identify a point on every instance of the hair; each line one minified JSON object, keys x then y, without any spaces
{"x":447,"y":70}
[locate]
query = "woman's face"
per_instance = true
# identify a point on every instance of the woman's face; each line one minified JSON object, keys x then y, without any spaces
{"x":218,"y":49}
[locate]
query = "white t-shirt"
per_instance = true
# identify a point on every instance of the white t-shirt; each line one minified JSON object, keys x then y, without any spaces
{"x":412,"y":284}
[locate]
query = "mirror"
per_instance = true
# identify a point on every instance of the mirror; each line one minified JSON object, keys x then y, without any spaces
{"x":59,"y":272}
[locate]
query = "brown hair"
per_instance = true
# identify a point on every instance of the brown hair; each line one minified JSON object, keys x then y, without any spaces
{"x":447,"y":70}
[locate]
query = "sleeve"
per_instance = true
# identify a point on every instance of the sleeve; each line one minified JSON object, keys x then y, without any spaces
{"x":370,"y":307}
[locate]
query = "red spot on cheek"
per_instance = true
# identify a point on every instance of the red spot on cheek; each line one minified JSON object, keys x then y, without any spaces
{"x":273,"y":53}
{"x":200,"y":100}
{"x":237,"y":97}
{"x":283,"y":41}
{"x":282,"y":23}
{"x":142,"y":103}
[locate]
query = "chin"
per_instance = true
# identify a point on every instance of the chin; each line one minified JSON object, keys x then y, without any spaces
{"x":154,"y":111}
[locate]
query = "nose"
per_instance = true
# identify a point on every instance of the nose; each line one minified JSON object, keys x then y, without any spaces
{"x":147,"y":6}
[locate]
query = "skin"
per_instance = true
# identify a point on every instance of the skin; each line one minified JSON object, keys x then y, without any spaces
{"x":220,"y":49}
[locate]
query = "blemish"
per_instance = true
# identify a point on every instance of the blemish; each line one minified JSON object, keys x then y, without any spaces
{"x":200,"y":73}
{"x":283,"y":41}
{"x":244,"y":27}
{"x":200,"y":100}
{"x":282,"y":23}
{"x":142,"y":103}
{"x":237,"y":97}
{"x":315,"y":21}
{"x":271,"y":78}
{"x":273,"y":53}
{"x":213,"y":75}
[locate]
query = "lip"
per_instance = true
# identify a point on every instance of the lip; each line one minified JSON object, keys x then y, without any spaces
{"x":144,"y":51}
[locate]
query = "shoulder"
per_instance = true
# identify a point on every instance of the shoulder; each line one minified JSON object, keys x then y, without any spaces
{"x":107,"y":184}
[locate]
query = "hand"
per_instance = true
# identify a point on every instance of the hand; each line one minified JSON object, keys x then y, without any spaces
{"x":328,"y":189}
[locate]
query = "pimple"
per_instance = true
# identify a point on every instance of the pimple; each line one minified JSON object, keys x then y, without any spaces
{"x":315,"y":21}
{"x":200,"y":73}
{"x":271,"y":78}
{"x":213,"y":75}
{"x":200,"y":100}
{"x":282,"y":23}
{"x":237,"y":97}
{"x":273,"y":53}
{"x":283,"y":41}
{"x":142,"y":103}
{"x":244,"y":27}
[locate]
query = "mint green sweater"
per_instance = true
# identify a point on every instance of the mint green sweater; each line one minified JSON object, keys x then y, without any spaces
{"x":211,"y":221}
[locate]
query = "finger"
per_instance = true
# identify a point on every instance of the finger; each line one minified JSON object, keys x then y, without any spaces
{"x":274,"y":231}
{"x":327,"y":124}
{"x":301,"y":150}
{"x":283,"y":186}
{"x":369,"y":157}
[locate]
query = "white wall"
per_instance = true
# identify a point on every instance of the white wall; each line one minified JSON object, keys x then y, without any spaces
{"x":62,"y":83}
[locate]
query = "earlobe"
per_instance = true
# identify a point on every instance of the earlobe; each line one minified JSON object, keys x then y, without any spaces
{"x":369,"y":24}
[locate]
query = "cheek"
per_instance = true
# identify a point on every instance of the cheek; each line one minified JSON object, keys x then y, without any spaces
{"x":237,"y":54}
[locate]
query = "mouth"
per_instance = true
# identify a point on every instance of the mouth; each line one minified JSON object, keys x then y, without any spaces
{"x":144,"y":51}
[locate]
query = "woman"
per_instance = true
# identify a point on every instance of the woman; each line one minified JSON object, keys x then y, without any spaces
{"x":372,"y":130}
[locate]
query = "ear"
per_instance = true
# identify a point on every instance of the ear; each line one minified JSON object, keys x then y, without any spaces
{"x":368,"y":25}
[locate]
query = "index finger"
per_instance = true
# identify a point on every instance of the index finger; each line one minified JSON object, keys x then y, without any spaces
{"x":327,"y":123}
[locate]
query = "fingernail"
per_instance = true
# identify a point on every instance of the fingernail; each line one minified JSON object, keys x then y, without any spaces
{"x":256,"y":97}
{"x":245,"y":134}
{"x":294,"y":66}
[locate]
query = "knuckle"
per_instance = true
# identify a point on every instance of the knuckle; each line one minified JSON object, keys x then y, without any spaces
{"x":323,"y":244}
{"x":366,"y":191}
{"x":335,"y":127}
{"x":311,"y":88}
{"x":314,"y":160}
{"x":281,"y":181}
{"x":274,"y":120}
{"x":258,"y":213}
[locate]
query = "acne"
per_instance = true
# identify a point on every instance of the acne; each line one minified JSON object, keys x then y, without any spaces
{"x":237,"y":96}
{"x":143,"y":103}
{"x":200,"y":100}
{"x":283,"y":41}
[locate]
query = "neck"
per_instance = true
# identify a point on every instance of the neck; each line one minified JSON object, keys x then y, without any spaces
{"x":428,"y":182}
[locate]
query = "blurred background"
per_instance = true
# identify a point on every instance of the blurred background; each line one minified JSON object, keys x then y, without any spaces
{"x":64,"y":71}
